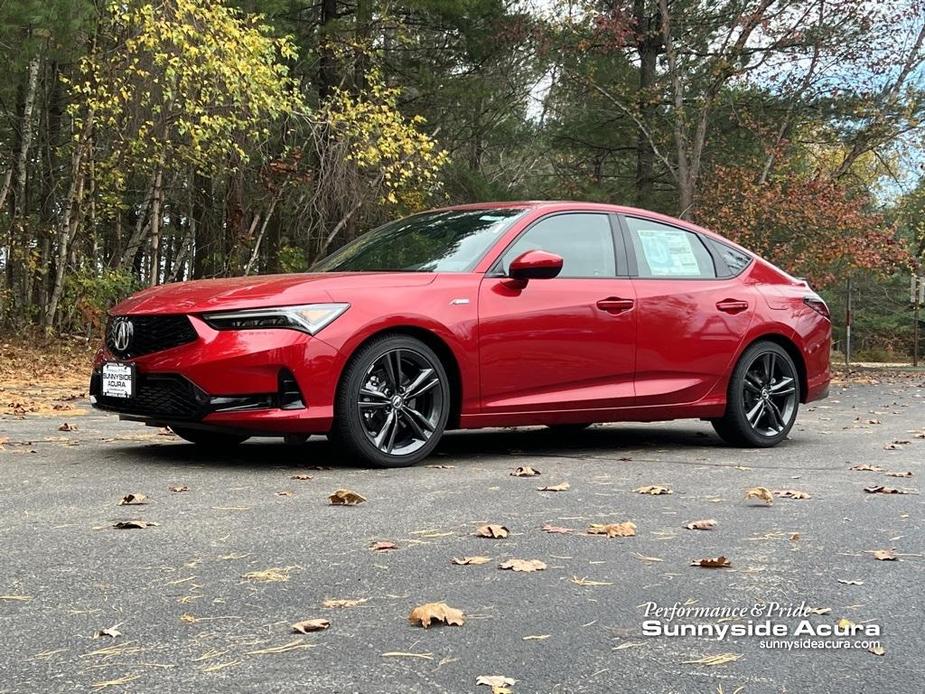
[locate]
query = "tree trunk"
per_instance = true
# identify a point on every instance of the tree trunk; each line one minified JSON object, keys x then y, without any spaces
{"x":156,"y":200}
{"x":327,"y":65}
{"x":648,"y":45}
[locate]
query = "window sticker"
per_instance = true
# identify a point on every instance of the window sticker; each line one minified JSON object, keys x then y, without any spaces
{"x":669,"y":252}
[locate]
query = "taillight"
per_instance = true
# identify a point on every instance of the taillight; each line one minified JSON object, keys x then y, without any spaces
{"x":817,"y":305}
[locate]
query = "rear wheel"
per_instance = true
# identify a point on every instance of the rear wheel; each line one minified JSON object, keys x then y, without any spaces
{"x":393,"y":402}
{"x":202,"y":437}
{"x":763,"y":398}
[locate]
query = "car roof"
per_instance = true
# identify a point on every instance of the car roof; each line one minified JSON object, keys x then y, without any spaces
{"x":566,"y":205}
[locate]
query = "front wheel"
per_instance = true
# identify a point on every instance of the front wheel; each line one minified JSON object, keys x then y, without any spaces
{"x":213,"y":439}
{"x":393,"y":402}
{"x":763,"y":398}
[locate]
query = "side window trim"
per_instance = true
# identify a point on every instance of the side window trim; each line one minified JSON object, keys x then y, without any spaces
{"x":497,"y":267}
{"x":634,"y":266}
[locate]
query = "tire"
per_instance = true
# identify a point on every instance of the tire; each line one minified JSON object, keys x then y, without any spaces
{"x":203,"y":437}
{"x":568,"y":429}
{"x":762,"y":400}
{"x":392,"y":403}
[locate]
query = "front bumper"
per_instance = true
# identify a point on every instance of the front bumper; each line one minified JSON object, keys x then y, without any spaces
{"x":272,"y":382}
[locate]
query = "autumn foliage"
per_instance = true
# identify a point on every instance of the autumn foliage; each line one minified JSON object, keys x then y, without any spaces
{"x":812,"y":226}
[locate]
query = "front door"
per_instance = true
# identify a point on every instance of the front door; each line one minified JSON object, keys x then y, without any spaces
{"x":560,"y":344}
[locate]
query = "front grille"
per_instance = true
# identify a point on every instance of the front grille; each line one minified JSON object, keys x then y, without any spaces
{"x":167,"y":396}
{"x":149,"y":334}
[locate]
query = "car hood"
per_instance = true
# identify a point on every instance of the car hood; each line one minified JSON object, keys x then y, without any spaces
{"x":199,"y":296}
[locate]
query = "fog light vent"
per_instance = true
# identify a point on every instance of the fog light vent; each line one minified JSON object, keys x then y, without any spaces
{"x":290,"y":397}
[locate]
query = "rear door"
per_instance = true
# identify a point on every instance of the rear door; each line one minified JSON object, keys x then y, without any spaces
{"x":692,"y":315}
{"x":565,"y":343}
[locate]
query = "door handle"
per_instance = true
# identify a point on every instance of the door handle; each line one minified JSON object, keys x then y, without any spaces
{"x":732,"y":305}
{"x":614,"y":304}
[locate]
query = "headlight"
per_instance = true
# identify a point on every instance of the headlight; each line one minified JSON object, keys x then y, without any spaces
{"x":309,"y":318}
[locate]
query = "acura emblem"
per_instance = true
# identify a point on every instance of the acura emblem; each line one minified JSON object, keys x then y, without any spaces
{"x":122,"y":331}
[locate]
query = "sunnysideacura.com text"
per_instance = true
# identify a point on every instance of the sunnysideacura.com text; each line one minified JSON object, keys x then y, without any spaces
{"x":778,"y":626}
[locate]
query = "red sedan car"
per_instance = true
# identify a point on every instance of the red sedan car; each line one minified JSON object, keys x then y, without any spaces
{"x":499,"y":314}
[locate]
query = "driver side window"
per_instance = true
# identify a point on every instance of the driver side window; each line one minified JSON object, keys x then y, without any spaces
{"x":584,"y":240}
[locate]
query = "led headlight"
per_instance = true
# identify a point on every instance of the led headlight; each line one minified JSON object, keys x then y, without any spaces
{"x":309,"y":318}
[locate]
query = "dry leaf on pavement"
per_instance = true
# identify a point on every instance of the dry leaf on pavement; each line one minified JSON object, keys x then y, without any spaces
{"x":555,"y":529}
{"x":309,"y":625}
{"x":133,"y":524}
{"x":133,"y":500}
{"x":383,"y":546}
{"x":864,"y":467}
{"x":112,"y":632}
{"x":492,"y":531}
{"x":499,"y":684}
{"x":67,"y":427}
{"x":346,"y":497}
{"x":877,"y":650}
{"x":525,"y":471}
{"x":344,"y":602}
{"x":177,"y":488}
{"x":526,"y":565}
{"x":884,"y":555}
{"x":470,"y":561}
{"x":625,"y":529}
{"x":653,"y":489}
{"x":436,"y":612}
{"x":884,"y":490}
{"x":705,"y":524}
{"x":719,"y":562}
{"x":301,"y":478}
{"x":791,"y":494}
{"x":561,"y":487}
{"x":760,"y":493}
{"x":906,"y":473}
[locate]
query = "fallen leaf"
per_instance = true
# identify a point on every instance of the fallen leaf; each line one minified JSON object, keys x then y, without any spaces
{"x":794,"y":537}
{"x":133,"y":500}
{"x":525,"y":565}
{"x":67,"y":427}
{"x":760,"y":493}
{"x":343,"y":602}
{"x":907,"y":473}
{"x":625,"y":529}
{"x":525,"y":471}
{"x":132,"y":524}
{"x":706,"y":524}
{"x":818,"y":610}
{"x":710,"y":660}
{"x":345,"y":497}
{"x":492,"y":531}
{"x":790,"y":494}
{"x":271,"y":575}
{"x":111,"y":632}
{"x":436,"y":611}
{"x":563,"y":486}
{"x":536,"y":637}
{"x":178,"y":488}
{"x":884,"y":555}
{"x":498,"y":683}
{"x":653,"y":489}
{"x":866,"y":468}
{"x":719,"y":562}
{"x":877,"y":650}
{"x":884,"y":490}
{"x":383,"y":546}
{"x":301,"y":478}
{"x":588,"y":582}
{"x":309,"y":625}
{"x":440,"y":467}
{"x":844,"y":623}
{"x":555,"y":529}
{"x":471,"y":561}
{"x":284,"y":493}
{"x":850,"y":582}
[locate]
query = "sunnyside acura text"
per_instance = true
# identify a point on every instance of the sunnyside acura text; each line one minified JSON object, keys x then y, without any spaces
{"x":496,"y":314}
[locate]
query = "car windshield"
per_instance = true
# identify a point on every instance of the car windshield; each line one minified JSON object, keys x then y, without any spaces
{"x":447,"y":241}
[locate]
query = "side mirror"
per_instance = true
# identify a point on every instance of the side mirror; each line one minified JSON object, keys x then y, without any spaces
{"x":535,"y":265}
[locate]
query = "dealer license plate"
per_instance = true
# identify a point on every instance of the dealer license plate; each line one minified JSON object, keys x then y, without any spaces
{"x":118,"y":380}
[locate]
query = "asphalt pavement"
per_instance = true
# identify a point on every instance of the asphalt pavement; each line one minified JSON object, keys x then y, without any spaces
{"x":204,"y":600}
